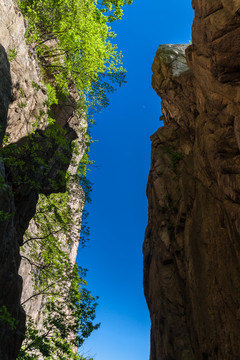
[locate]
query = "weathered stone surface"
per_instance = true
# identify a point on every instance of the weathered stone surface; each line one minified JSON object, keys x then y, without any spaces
{"x":28,"y":94}
{"x":5,"y":91}
{"x":33,"y":305}
{"x":10,"y":281}
{"x":192,"y":243}
{"x":22,"y":91}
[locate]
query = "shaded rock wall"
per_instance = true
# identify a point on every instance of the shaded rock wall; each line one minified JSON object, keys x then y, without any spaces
{"x":192,"y":242}
{"x":10,"y":282}
{"x":22,"y":107}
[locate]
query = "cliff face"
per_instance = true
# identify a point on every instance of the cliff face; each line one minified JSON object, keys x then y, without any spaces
{"x":22,"y":177}
{"x":10,"y":282}
{"x":192,"y":243}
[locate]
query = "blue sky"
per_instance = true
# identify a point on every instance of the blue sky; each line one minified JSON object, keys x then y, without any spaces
{"x":118,"y":212}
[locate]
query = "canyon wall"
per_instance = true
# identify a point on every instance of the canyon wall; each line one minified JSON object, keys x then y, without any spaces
{"x":192,"y":242}
{"x":35,"y":166}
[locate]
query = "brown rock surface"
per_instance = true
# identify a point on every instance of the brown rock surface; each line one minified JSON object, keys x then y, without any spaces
{"x":192,"y":243}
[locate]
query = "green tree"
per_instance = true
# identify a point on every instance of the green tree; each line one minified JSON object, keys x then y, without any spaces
{"x":68,"y":307}
{"x":67,"y":322}
{"x":74,"y":43}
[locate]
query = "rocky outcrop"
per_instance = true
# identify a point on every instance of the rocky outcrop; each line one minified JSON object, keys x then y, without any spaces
{"x":192,"y":242}
{"x":32,"y":165}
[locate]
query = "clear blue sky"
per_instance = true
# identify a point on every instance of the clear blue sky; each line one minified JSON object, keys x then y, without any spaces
{"x":118,"y":212}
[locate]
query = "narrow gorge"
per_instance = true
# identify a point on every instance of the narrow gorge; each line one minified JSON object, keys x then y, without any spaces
{"x":56,"y":57}
{"x":192,"y":242}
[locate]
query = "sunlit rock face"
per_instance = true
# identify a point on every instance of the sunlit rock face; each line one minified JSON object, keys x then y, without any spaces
{"x":192,"y":243}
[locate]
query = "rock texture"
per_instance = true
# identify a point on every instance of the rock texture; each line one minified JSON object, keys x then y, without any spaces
{"x":27,"y":93}
{"x":10,"y":282}
{"x":33,"y":305}
{"x":192,"y":242}
{"x":22,"y":108}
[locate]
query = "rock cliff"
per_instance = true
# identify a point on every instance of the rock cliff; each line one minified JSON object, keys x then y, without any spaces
{"x":192,"y":242}
{"x":22,"y":176}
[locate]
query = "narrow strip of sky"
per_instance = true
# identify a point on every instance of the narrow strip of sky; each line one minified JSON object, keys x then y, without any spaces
{"x":118,"y":213}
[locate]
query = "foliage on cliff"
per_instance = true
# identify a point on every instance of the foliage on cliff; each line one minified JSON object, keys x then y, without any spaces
{"x":68,"y":308}
{"x":67,"y":322}
{"x":73,"y":42}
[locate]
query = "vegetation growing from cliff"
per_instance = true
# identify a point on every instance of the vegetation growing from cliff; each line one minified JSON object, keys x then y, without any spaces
{"x":68,"y":308}
{"x":67,"y":322}
{"x":73,"y":42}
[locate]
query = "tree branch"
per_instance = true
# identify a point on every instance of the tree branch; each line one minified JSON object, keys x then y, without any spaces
{"x":44,"y":237}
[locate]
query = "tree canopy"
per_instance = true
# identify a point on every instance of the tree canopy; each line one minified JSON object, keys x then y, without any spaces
{"x":73,"y":40}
